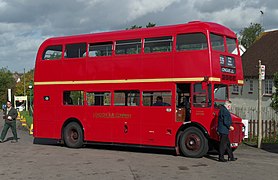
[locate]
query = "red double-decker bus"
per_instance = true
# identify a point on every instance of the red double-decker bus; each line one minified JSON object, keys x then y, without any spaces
{"x":158,"y":86}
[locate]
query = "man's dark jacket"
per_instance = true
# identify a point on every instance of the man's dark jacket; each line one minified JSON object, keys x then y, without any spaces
{"x":224,"y":120}
{"x":12,"y":113}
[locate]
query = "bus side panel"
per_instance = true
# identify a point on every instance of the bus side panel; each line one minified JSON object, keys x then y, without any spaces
{"x":124,"y":69}
{"x":74,"y":69}
{"x":46,"y":112}
{"x":204,"y":117}
{"x":126,"y":124}
{"x":157,"y":65}
{"x":99,"y":123}
{"x":188,"y":64}
{"x":157,"y":126}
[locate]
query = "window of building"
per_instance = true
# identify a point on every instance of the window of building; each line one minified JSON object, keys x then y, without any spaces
{"x":100,"y":49}
{"x":98,"y":98}
{"x":52,"y":52}
{"x":127,"y":98}
{"x":217,"y":42}
{"x":251,"y":85}
{"x":75,"y":50}
{"x":268,"y":87}
{"x":73,"y":98}
{"x":157,"y":98}
{"x":158,"y":44}
{"x":235,"y":89}
{"x":128,"y":46}
{"x":231,"y":44}
{"x":193,"y":41}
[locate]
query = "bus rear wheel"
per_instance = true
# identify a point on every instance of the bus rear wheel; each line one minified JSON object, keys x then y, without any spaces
{"x":193,"y":143}
{"x":73,"y":135}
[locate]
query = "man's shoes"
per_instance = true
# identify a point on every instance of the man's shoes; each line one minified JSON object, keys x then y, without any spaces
{"x":222,"y":160}
{"x":14,"y":141}
{"x":232,"y":159}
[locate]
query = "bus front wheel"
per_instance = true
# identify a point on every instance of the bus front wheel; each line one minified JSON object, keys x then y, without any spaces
{"x":73,"y":135}
{"x":193,"y":143}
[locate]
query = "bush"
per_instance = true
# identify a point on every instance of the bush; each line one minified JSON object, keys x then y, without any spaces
{"x":29,"y":119}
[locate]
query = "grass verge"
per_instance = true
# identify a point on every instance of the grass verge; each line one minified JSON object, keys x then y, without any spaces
{"x":29,"y":119}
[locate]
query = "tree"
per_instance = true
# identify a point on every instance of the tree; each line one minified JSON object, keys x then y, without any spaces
{"x":250,"y":34}
{"x":29,"y":76}
{"x":274,"y":103}
{"x":7,"y":81}
{"x":149,"y":25}
{"x":134,"y":27}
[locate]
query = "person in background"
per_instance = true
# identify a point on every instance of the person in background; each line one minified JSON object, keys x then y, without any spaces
{"x":224,"y":127}
{"x":10,"y":115}
{"x":3,"y":107}
{"x":159,"y":102}
{"x":67,"y":98}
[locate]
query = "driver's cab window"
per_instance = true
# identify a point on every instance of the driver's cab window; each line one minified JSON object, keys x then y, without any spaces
{"x":220,"y":94}
{"x":202,"y":95}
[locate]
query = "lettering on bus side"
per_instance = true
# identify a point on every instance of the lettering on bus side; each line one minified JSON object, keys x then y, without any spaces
{"x":200,"y":113}
{"x":111,"y":116}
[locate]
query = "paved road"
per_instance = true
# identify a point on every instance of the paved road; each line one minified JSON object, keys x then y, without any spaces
{"x":25,"y":160}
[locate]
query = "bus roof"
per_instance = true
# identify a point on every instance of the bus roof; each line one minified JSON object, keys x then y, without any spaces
{"x":194,"y":26}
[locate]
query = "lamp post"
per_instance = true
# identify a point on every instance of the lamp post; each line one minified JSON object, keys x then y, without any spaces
{"x":30,"y":88}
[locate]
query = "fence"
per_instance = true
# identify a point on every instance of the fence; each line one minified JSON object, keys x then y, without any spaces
{"x":251,"y":113}
{"x":269,"y":131}
{"x":269,"y":123}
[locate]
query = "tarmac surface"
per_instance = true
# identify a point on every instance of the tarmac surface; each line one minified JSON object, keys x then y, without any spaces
{"x":25,"y":160}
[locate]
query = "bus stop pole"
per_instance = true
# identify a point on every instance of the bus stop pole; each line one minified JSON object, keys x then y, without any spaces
{"x":260,"y":106}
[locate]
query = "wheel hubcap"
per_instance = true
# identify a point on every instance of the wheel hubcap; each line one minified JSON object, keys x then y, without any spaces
{"x":73,"y":135}
{"x":193,"y":142}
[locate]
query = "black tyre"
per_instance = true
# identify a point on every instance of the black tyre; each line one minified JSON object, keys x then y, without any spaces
{"x":193,"y":143}
{"x":73,"y":135}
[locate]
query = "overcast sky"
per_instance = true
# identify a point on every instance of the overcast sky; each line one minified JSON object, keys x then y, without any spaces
{"x":25,"y":24}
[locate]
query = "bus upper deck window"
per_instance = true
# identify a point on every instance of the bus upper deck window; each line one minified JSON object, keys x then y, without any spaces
{"x":158,"y":44}
{"x":52,"y":53}
{"x":231,"y":44}
{"x":100,"y":49}
{"x":217,"y":42}
{"x":75,"y":50}
{"x":192,"y":41}
{"x":128,"y":46}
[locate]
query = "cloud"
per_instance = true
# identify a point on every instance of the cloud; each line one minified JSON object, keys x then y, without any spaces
{"x":140,"y":8}
{"x":25,"y":24}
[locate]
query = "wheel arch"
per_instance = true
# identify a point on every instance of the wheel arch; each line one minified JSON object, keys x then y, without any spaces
{"x":186,"y":126}
{"x":69,"y":120}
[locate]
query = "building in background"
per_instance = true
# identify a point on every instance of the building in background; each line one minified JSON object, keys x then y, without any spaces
{"x":266,"y":50}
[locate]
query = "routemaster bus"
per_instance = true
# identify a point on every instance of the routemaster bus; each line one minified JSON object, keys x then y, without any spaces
{"x":159,"y":87}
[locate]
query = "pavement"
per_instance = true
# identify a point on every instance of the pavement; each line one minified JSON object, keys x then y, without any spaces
{"x":25,"y":160}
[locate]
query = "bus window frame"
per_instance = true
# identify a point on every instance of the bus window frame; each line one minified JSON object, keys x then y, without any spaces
{"x":113,"y":46}
{"x":125,"y":54}
{"x":156,"y":37}
{"x":45,"y":50}
{"x":188,"y":33}
{"x":224,"y":42}
{"x":70,"y":43}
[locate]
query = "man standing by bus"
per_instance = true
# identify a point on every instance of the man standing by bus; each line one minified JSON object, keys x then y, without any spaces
{"x":224,"y":126}
{"x":10,"y":115}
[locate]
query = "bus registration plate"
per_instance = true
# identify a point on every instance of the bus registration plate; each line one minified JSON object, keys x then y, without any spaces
{"x":234,"y":145}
